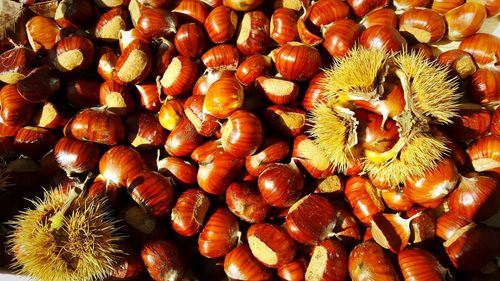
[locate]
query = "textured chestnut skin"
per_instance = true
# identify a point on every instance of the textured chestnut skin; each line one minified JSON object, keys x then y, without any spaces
{"x":189,"y":212}
{"x":72,"y":44}
{"x":288,"y":64}
{"x":281,"y":185}
{"x":310,"y":220}
{"x":39,"y":85}
{"x":34,"y":141}
{"x":76,"y":156}
{"x":331,"y":258}
{"x":120,"y":163}
{"x":418,"y":264}
{"x":277,"y":241}
{"x":240,"y":264}
{"x":163,"y":260}
{"x":152,"y":191}
{"x":245,"y":201}
{"x":97,"y":125}
{"x":15,"y":110}
{"x":219,"y":235}
{"x":243,"y":134}
{"x":368,"y":261}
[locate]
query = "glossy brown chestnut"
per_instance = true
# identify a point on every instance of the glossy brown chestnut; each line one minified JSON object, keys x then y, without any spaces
{"x":182,"y":172}
{"x":408,"y":4}
{"x":384,"y":16}
{"x":328,"y":262}
{"x":163,"y":260}
{"x":75,"y":13}
{"x":340,"y":37}
{"x":465,"y":20}
{"x":283,"y":26}
{"x":417,"y":264}
{"x":484,"y":47}
{"x":476,"y":198}
{"x":242,"y":5}
{"x":242,"y":134}
{"x":223,"y":56}
{"x":270,"y":244}
{"x":130,"y":266}
{"x":281,"y":185}
{"x":99,"y":125}
{"x":72,"y":54}
{"x":189,"y":212}
{"x":240,"y":264}
{"x":180,"y":76}
{"x":219,"y":235}
{"x":191,"y":11}
{"x":15,"y":111}
{"x":190,"y":40}
{"x":183,"y":139}
{"x":134,"y":64}
{"x":34,"y":142}
{"x":382,"y":37}
{"x":15,"y":64}
{"x":76,"y":156}
{"x":221,"y":24}
{"x":430,"y":189}
{"x":204,"y":82}
{"x":363,"y":198}
{"x":152,"y":191}
{"x":314,"y":93}
{"x":106,"y":62}
{"x":253,"y":33}
{"x":367,"y":261}
{"x":244,"y":200}
{"x":362,"y":7}
{"x":425,"y":25}
{"x":171,"y":113}
{"x":156,"y":23}
{"x":224,"y":97}
{"x":120,"y":163}
{"x":111,"y":23}
{"x":42,"y":33}
{"x":396,"y":199}
{"x":484,"y":86}
{"x":277,"y":90}
{"x":310,"y":220}
{"x":128,"y":36}
{"x":253,"y":67}
{"x":295,"y":61}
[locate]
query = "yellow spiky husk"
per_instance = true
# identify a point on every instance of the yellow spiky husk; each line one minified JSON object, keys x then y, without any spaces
{"x":84,"y":248}
{"x":434,"y":94}
{"x":346,"y":79}
{"x":420,"y":154}
{"x":331,"y":131}
{"x":431,"y":97}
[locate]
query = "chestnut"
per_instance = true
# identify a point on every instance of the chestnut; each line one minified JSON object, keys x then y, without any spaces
{"x":324,"y":12}
{"x":152,"y":191}
{"x":253,"y":36}
{"x":310,"y":220}
{"x":15,"y":111}
{"x":190,"y":40}
{"x":34,"y":142}
{"x":190,"y":11}
{"x":111,"y":23}
{"x":367,"y":261}
{"x":180,"y":76}
{"x":97,"y":124}
{"x":76,"y":156}
{"x":144,"y":131}
{"x":223,"y":56}
{"x":224,"y":97}
{"x":154,"y":22}
{"x":189,"y":212}
{"x":270,"y":244}
{"x":42,"y":33}
{"x":252,"y":68}
{"x":242,"y":134}
{"x":39,"y":85}
{"x":418,"y":264}
{"x":183,"y":139}
{"x":296,"y":61}
{"x":181,"y":171}
{"x":382,"y":37}
{"x":134,"y":64}
{"x":15,"y":64}
{"x":244,"y":200}
{"x":219,"y":235}
{"x":75,"y":13}
{"x":363,"y":198}
{"x":328,"y":262}
{"x":72,"y":54}
{"x":283,"y":26}
{"x":163,"y":260}
{"x":120,"y":163}
{"x":221,"y":24}
{"x":273,"y":150}
{"x":240,"y":264}
{"x":281,"y":185}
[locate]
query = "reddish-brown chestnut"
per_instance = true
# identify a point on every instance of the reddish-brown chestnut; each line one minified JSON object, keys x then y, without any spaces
{"x":120,"y":163}
{"x":240,"y":264}
{"x":163,"y":260}
{"x":97,"y":124}
{"x":76,"y":156}
{"x":134,"y":64}
{"x":281,"y":185}
{"x":221,"y":24}
{"x":152,"y":191}
{"x":189,"y":212}
{"x":242,"y":134}
{"x":72,"y":54}
{"x":328,"y":262}
{"x":270,"y":244}
{"x":368,"y":261}
{"x":219,"y":235}
{"x":244,"y":200}
{"x":296,"y":61}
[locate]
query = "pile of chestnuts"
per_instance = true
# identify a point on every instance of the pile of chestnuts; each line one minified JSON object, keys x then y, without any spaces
{"x":192,"y":119}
